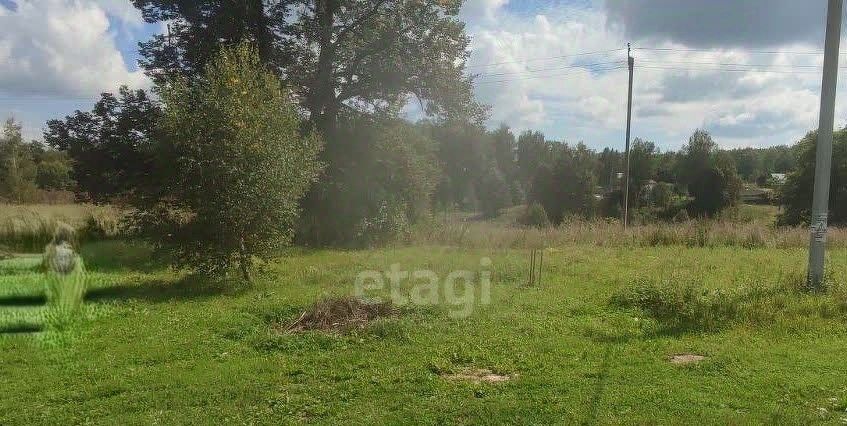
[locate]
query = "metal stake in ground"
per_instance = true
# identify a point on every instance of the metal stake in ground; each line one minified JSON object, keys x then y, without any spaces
{"x":823,"y":162}
{"x":531,"y":266}
{"x":535,"y":272}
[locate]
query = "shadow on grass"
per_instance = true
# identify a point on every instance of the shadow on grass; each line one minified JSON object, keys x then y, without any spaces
{"x":21,"y":330}
{"x":192,"y":287}
{"x":23,"y":300}
{"x":120,"y":255}
{"x":602,"y":377}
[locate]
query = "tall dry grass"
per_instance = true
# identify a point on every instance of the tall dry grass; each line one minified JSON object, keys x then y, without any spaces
{"x":28,"y":228}
{"x":695,"y":233}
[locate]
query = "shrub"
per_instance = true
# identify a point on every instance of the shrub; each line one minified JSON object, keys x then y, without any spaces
{"x":678,"y":304}
{"x":534,"y":215}
{"x":101,"y":226}
{"x":233,"y":164}
{"x":389,"y":223}
{"x":681,"y":216}
{"x":661,"y":236}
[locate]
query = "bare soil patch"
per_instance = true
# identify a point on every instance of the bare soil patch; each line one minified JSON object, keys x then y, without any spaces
{"x":339,"y":314}
{"x":684,"y":359}
{"x":478,"y":375}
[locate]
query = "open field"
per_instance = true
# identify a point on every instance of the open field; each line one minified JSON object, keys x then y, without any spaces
{"x":27,"y":228}
{"x":471,"y":233}
{"x":590,"y":343}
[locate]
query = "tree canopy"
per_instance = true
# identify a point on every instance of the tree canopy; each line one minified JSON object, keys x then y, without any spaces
{"x":369,"y":56}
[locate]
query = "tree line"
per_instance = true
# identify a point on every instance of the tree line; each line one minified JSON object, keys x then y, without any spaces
{"x":30,"y":172}
{"x":273,"y":122}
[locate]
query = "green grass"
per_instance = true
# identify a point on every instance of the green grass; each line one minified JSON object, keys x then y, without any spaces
{"x":154,"y":346}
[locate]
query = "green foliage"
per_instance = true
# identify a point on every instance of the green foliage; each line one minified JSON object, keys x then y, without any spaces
{"x":379,"y":180}
{"x":493,"y":193}
{"x":753,"y":163}
{"x":54,"y":170}
{"x":682,"y":305}
{"x":533,"y":153}
{"x":466,"y":154}
{"x":566,"y":187}
{"x":167,"y":341}
{"x":796,"y":193}
{"x":233,"y":166}
{"x":642,"y":168}
{"x":710,"y":175}
{"x":390,"y":223}
{"x":335,"y":54}
{"x":681,"y":216}
{"x":111,"y":147}
{"x":710,"y":189}
{"x":662,"y":195}
{"x":17,"y":169}
{"x":535,"y":216}
{"x":696,"y":156}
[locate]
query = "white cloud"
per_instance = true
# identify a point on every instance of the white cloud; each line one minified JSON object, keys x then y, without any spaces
{"x":64,"y":48}
{"x":473,"y":10}
{"x":122,"y":10}
{"x":675,"y":91}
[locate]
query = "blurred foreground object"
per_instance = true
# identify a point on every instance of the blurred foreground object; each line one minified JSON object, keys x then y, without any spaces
{"x":65,"y":271}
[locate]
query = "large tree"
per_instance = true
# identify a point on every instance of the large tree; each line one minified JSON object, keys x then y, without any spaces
{"x":642,"y":167}
{"x":110,"y":146}
{"x":797,"y":192}
{"x":565,"y":184}
{"x":17,"y":169}
{"x":372,"y":55}
{"x":197,"y":29}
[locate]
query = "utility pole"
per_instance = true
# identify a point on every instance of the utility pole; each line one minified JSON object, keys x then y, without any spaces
{"x":631,"y":62}
{"x":823,"y":162}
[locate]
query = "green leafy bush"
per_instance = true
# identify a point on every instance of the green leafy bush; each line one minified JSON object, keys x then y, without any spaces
{"x":233,"y":166}
{"x":535,"y":216}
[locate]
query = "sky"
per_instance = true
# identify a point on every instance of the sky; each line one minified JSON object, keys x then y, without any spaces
{"x":748,"y":74}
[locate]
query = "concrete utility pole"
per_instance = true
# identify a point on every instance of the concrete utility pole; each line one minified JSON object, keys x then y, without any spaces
{"x":823,"y":162}
{"x":631,"y":61}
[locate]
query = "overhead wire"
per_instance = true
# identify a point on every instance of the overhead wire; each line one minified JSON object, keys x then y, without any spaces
{"x":603,"y":69}
{"x":547,"y":58}
{"x":586,"y":66}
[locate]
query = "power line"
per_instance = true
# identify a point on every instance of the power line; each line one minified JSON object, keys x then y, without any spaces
{"x":730,"y":64}
{"x":617,"y":67}
{"x":547,"y":58}
{"x":587,"y":66}
{"x":656,"y":67}
{"x":757,"y":52}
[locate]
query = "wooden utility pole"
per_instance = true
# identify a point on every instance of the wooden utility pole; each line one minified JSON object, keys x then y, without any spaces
{"x":823,"y":162}
{"x":631,"y":62}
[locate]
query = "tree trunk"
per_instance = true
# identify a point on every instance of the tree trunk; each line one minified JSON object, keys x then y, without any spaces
{"x":257,"y":22}
{"x":322,"y":110}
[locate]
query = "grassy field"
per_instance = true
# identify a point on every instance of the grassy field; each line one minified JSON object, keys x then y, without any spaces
{"x":590,"y":343}
{"x":27,"y":228}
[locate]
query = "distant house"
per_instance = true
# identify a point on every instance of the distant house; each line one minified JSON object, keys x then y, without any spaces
{"x":778,"y":178}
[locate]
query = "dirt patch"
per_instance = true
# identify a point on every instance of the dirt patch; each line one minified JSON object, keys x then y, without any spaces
{"x":478,"y":375}
{"x":339,"y":314}
{"x":684,"y":359}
